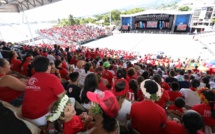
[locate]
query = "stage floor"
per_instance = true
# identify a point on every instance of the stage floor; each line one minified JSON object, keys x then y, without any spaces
{"x":173,"y":45}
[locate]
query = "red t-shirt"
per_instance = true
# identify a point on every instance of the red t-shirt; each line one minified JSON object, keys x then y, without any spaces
{"x":41,"y":91}
{"x":64,"y":73}
{"x":73,"y":126}
{"x":205,"y":111}
{"x":25,"y":68}
{"x":164,"y":98}
{"x":175,"y":108}
{"x":147,"y":117}
{"x":7,"y":94}
{"x":109,"y":76}
{"x":15,"y":65}
{"x":173,"y":95}
{"x":165,"y":85}
{"x":64,"y":65}
{"x":172,"y":127}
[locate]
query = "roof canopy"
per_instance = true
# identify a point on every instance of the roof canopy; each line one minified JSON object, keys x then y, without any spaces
{"x":172,"y":12}
{"x":22,"y":5}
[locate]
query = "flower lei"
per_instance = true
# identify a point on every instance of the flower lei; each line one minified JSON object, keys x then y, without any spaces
{"x":156,"y":96}
{"x":96,"y":109}
{"x":56,"y":113}
{"x":201,"y":95}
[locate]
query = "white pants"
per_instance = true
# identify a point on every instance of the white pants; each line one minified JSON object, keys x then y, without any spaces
{"x":41,"y":121}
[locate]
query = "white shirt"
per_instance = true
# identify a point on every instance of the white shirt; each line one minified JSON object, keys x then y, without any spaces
{"x":125,"y":109}
{"x":51,"y":58}
{"x":191,"y":97}
{"x":82,"y":76}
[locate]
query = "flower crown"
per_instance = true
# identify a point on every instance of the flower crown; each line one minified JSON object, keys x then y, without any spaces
{"x":156,"y":96}
{"x":56,"y":113}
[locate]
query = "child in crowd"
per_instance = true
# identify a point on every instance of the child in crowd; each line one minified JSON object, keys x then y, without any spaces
{"x":178,"y":107}
{"x":73,"y":90}
{"x":64,"y":110}
{"x":175,"y":91}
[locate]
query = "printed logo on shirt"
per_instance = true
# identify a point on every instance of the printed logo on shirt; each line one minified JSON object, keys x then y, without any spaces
{"x":32,"y":81}
{"x":31,"y":84}
{"x":70,"y":90}
{"x":207,"y":113}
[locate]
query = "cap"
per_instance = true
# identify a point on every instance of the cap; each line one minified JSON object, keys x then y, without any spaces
{"x":106,"y":64}
{"x":122,"y":92}
{"x":106,"y":100}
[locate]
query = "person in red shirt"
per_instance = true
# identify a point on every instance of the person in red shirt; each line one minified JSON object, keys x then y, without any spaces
{"x":63,"y":72}
{"x":11,"y":88}
{"x":165,"y":96}
{"x":175,"y":91}
{"x":146,"y":116}
{"x":207,"y":109}
{"x":42,"y":90}
{"x":192,"y":123}
{"x":14,"y":62}
{"x":107,"y":74}
{"x":196,"y":70}
{"x":25,"y":63}
{"x":178,"y":107}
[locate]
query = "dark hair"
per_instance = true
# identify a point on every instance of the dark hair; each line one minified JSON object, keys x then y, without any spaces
{"x":87,"y":67}
{"x":192,"y":121}
{"x":120,"y":74}
{"x":179,"y":102}
{"x":11,"y":55}
{"x":120,"y":86}
{"x":73,"y":76}
{"x":140,"y":79}
{"x":175,"y":86}
{"x":181,"y":72}
{"x":40,"y":64}
{"x":151,"y":87}
{"x":157,"y":78}
{"x":2,"y":62}
{"x":90,"y":84}
{"x":172,"y":73}
{"x":195,"y":83}
{"x":57,"y":63}
{"x":145,"y":75}
{"x":133,"y":85}
{"x":210,"y":96}
{"x":206,"y":81}
{"x":24,"y":59}
{"x":186,"y":77}
{"x":109,"y":124}
{"x":131,"y":71}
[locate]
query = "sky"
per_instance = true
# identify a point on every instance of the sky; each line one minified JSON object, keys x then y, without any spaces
{"x":77,"y":8}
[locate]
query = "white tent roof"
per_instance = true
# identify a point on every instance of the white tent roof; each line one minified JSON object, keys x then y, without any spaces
{"x":22,"y":5}
{"x":158,"y":12}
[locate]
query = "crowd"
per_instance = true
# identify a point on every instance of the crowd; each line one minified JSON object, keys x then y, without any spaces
{"x":88,"y":90}
{"x":75,"y":34}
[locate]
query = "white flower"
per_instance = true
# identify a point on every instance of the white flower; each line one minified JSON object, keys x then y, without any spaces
{"x":147,"y":94}
{"x":59,"y":109}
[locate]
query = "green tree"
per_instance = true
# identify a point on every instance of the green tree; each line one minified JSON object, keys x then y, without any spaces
{"x":213,"y":20}
{"x":115,"y":15}
{"x":64,"y":22}
{"x":71,"y":20}
{"x":132,"y":11}
{"x":184,"y":8}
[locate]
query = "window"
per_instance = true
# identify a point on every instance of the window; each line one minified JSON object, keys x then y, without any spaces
{"x":209,"y":12}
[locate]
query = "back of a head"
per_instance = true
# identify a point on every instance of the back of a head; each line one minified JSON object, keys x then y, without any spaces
{"x":145,"y":74}
{"x":179,"y":102}
{"x":181,"y":72}
{"x":192,"y":121}
{"x":195,"y":83}
{"x":210,"y":96}
{"x":140,"y":79}
{"x":175,"y":86}
{"x":2,"y":62}
{"x":87,"y":67}
{"x":73,"y":76}
{"x":151,"y":87}
{"x":172,"y":73}
{"x":186,"y":77}
{"x":120,"y":86}
{"x":41,"y":64}
{"x":120,"y":73}
{"x":157,"y":78}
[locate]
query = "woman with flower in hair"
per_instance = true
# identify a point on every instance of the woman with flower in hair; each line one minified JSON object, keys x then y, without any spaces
{"x":146,"y":116}
{"x":207,"y":109}
{"x":120,"y":90}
